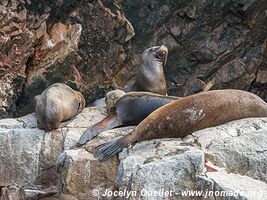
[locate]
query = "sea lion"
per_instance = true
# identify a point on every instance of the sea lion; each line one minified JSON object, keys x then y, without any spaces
{"x":109,"y":100}
{"x":112,"y":97}
{"x":150,"y":77}
{"x":130,"y":109}
{"x":189,"y":114}
{"x":56,"y":104}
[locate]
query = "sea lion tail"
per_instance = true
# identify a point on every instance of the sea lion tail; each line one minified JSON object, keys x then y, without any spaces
{"x":109,"y":122}
{"x":108,"y":149}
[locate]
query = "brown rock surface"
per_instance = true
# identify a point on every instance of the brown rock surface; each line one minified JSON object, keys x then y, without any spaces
{"x":95,"y":45}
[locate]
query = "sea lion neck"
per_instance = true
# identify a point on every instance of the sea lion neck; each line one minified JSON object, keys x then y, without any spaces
{"x":149,"y":67}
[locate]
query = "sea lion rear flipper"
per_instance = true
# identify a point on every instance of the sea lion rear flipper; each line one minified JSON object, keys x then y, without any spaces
{"x":108,"y":149}
{"x":109,"y":122}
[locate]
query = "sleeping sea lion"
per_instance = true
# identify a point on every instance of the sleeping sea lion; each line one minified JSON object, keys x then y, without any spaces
{"x":56,"y":104}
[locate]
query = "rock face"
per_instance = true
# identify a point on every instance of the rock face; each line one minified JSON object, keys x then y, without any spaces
{"x":95,"y":45}
{"x":228,"y":158}
{"x":28,"y":155}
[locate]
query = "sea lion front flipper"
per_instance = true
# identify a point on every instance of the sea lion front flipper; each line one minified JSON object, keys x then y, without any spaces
{"x":109,"y":122}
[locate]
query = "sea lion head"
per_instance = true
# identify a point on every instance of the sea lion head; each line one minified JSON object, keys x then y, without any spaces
{"x":112,"y":97}
{"x":155,"y":55}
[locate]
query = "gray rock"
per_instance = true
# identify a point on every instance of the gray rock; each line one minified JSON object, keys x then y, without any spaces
{"x":198,"y":162}
{"x":174,"y":165}
{"x":234,"y":186}
{"x":161,"y":165}
{"x":28,"y":155}
{"x":239,"y":146}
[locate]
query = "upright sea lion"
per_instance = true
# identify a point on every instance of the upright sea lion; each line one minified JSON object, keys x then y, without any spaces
{"x":189,"y":114}
{"x":130,"y":109}
{"x":56,"y":104}
{"x":150,"y":76}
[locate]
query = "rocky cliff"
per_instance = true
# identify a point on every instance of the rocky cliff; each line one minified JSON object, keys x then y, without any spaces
{"x":95,"y":46}
{"x":228,"y":158}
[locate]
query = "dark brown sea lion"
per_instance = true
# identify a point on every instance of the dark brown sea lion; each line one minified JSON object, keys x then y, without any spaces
{"x":184,"y":116}
{"x":150,"y":77}
{"x":130,"y":109}
{"x":56,"y":104}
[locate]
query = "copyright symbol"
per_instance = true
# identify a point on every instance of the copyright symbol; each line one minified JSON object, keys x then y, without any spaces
{"x":95,"y":192}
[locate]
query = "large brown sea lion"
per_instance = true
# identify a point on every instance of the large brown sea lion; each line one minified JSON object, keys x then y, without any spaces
{"x":56,"y":104}
{"x":130,"y":109}
{"x":186,"y":115}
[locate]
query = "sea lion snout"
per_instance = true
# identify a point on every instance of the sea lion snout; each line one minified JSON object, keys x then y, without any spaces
{"x":154,"y":54}
{"x":162,"y":54}
{"x":163,"y":48}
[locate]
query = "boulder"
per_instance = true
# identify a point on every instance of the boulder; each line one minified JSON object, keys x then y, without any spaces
{"x":172,"y":167}
{"x":28,"y":154}
{"x":223,"y":185}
